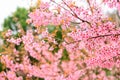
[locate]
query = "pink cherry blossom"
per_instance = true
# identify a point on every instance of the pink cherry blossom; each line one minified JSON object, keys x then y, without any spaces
{"x":83,"y":44}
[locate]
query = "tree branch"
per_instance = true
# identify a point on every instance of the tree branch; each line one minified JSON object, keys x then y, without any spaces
{"x":75,"y":15}
{"x":103,"y":36}
{"x":94,"y":37}
{"x":90,"y":6}
{"x":59,"y":5}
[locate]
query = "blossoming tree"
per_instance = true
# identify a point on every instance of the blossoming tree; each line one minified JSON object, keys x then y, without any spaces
{"x":68,"y":42}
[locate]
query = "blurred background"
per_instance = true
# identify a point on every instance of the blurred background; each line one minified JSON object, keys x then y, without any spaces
{"x":13,"y":13}
{"x":7,"y":7}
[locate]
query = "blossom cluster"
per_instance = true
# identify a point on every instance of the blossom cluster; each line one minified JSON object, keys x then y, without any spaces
{"x":73,"y":43}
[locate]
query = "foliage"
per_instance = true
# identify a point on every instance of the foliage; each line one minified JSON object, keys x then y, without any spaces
{"x":18,"y":17}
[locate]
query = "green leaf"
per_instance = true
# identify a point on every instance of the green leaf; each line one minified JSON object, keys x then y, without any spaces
{"x":46,"y":40}
{"x":40,"y":79}
{"x":96,"y":72}
{"x":33,"y":60}
{"x":59,"y":28}
{"x":1,"y":66}
{"x":18,"y":47}
{"x":56,"y":49}
{"x":65,"y":55}
{"x":36,"y":78}
{"x":1,"y":49}
{"x":51,"y":28}
{"x":19,"y":16}
{"x":58,"y":36}
{"x":107,"y":71}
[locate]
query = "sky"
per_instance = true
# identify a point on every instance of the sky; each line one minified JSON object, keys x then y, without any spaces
{"x":7,"y":7}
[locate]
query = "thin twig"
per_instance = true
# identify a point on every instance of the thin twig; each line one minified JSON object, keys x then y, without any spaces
{"x":75,"y":15}
{"x":75,"y":22}
{"x":90,"y":6}
{"x":59,"y":5}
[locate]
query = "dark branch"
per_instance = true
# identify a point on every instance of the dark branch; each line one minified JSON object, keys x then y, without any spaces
{"x":90,"y":6}
{"x":103,"y":36}
{"x":75,"y":15}
{"x":94,"y":37}
{"x":59,"y":5}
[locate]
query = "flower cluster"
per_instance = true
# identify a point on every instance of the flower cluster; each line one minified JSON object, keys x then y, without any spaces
{"x":71,"y":44}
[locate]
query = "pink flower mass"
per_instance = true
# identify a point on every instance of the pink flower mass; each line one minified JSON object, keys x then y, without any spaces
{"x":73,"y":43}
